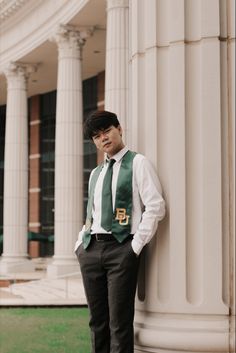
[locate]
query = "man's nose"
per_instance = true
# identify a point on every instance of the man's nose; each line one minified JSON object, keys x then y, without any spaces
{"x":103,"y":136}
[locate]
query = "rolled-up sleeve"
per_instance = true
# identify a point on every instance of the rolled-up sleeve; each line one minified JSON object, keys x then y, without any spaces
{"x":150,"y":193}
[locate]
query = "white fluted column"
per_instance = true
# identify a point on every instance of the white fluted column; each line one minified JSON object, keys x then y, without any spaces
{"x":116,"y":79}
{"x":69,"y":150}
{"x":183,"y":301}
{"x":15,"y":256}
{"x":227,"y":50}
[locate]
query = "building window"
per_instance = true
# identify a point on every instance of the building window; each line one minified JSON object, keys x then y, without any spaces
{"x":2,"y":146}
{"x":47,"y":162}
{"x":47,"y":148}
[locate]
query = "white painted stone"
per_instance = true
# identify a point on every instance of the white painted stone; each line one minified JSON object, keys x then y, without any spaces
{"x":177,"y":21}
{"x":136,"y":121}
{"x":210,"y":18}
{"x":162,"y":21}
{"x":223,"y":18}
{"x":225,"y":172}
{"x":211,"y":181}
{"x":69,"y":151}
{"x":177,"y":89}
{"x":231,"y":141}
{"x":15,"y":221}
{"x":192,"y":18}
{"x":116,"y":79}
{"x":150,"y":19}
{"x":231,"y":18}
{"x":181,"y":334}
{"x":149,"y":97}
{"x":177,"y":179}
{"x":136,"y":19}
{"x":201,"y":19}
{"x":21,"y":35}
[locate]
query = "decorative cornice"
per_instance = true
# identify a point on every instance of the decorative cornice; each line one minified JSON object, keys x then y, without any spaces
{"x":38,"y":31}
{"x":9,"y":7}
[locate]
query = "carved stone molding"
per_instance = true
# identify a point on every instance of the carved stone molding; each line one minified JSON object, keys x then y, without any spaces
{"x":71,"y":37}
{"x":9,"y":7}
{"x":28,"y":37}
{"x":65,"y":33}
{"x":17,"y":73}
{"x":117,"y":3}
{"x":18,"y":68}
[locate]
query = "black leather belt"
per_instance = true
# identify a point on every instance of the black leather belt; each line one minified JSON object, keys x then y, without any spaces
{"x":102,"y":237}
{"x":106,"y":237}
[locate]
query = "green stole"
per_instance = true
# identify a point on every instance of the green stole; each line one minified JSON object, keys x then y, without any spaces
{"x":121,"y":221}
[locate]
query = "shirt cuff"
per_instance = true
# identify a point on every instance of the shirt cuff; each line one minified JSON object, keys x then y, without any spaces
{"x":77,"y":244}
{"x":137,"y":248}
{"x":79,"y":240}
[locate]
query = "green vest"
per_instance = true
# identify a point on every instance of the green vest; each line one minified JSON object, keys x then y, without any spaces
{"x":121,"y":222}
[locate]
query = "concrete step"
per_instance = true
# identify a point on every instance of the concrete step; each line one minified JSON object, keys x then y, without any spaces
{"x":65,"y":291}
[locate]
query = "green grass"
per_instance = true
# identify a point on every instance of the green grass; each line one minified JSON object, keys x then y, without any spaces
{"x":44,"y":330}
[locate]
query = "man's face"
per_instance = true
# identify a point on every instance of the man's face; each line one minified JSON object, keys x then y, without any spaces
{"x":109,"y":140}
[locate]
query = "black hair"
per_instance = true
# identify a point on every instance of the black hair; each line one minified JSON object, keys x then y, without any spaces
{"x":98,"y":121}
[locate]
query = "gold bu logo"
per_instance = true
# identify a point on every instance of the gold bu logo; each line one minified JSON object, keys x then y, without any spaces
{"x":121,"y":216}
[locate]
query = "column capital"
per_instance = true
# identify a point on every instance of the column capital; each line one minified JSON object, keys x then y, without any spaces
{"x":117,"y":4}
{"x":71,"y":37}
{"x":17,"y":73}
{"x":19,"y":69}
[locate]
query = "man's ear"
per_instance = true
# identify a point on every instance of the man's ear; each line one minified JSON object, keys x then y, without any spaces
{"x":120,"y":129}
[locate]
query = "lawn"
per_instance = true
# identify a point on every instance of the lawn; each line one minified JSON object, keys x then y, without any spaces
{"x":44,"y":330}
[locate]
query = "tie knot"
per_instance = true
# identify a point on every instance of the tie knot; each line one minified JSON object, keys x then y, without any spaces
{"x":111,"y":162}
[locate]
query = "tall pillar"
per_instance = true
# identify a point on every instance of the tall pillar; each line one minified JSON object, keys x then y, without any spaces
{"x":68,"y":150}
{"x":15,"y":223}
{"x":227,"y":61}
{"x":116,"y":76}
{"x":183,"y":298}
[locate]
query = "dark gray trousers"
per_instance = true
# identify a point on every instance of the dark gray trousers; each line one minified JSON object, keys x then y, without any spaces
{"x":109,"y":271}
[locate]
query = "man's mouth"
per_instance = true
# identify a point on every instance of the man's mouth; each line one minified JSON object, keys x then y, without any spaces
{"x":106,"y":144}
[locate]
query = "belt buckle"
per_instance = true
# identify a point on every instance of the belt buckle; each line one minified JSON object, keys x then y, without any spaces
{"x":97,"y":238}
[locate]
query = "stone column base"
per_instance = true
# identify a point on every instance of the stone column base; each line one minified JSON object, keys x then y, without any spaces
{"x":16,"y":265}
{"x":62,"y":266}
{"x":183,"y":333}
{"x":144,"y":350}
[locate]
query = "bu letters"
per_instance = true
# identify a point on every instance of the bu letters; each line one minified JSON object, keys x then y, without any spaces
{"x":121,"y":216}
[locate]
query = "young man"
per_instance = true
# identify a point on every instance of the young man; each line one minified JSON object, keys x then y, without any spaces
{"x":124,"y":208}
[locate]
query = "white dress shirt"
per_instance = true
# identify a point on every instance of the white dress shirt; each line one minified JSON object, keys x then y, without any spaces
{"x":148,"y":206}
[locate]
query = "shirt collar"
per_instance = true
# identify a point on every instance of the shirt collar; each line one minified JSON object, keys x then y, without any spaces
{"x":118,"y":156}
